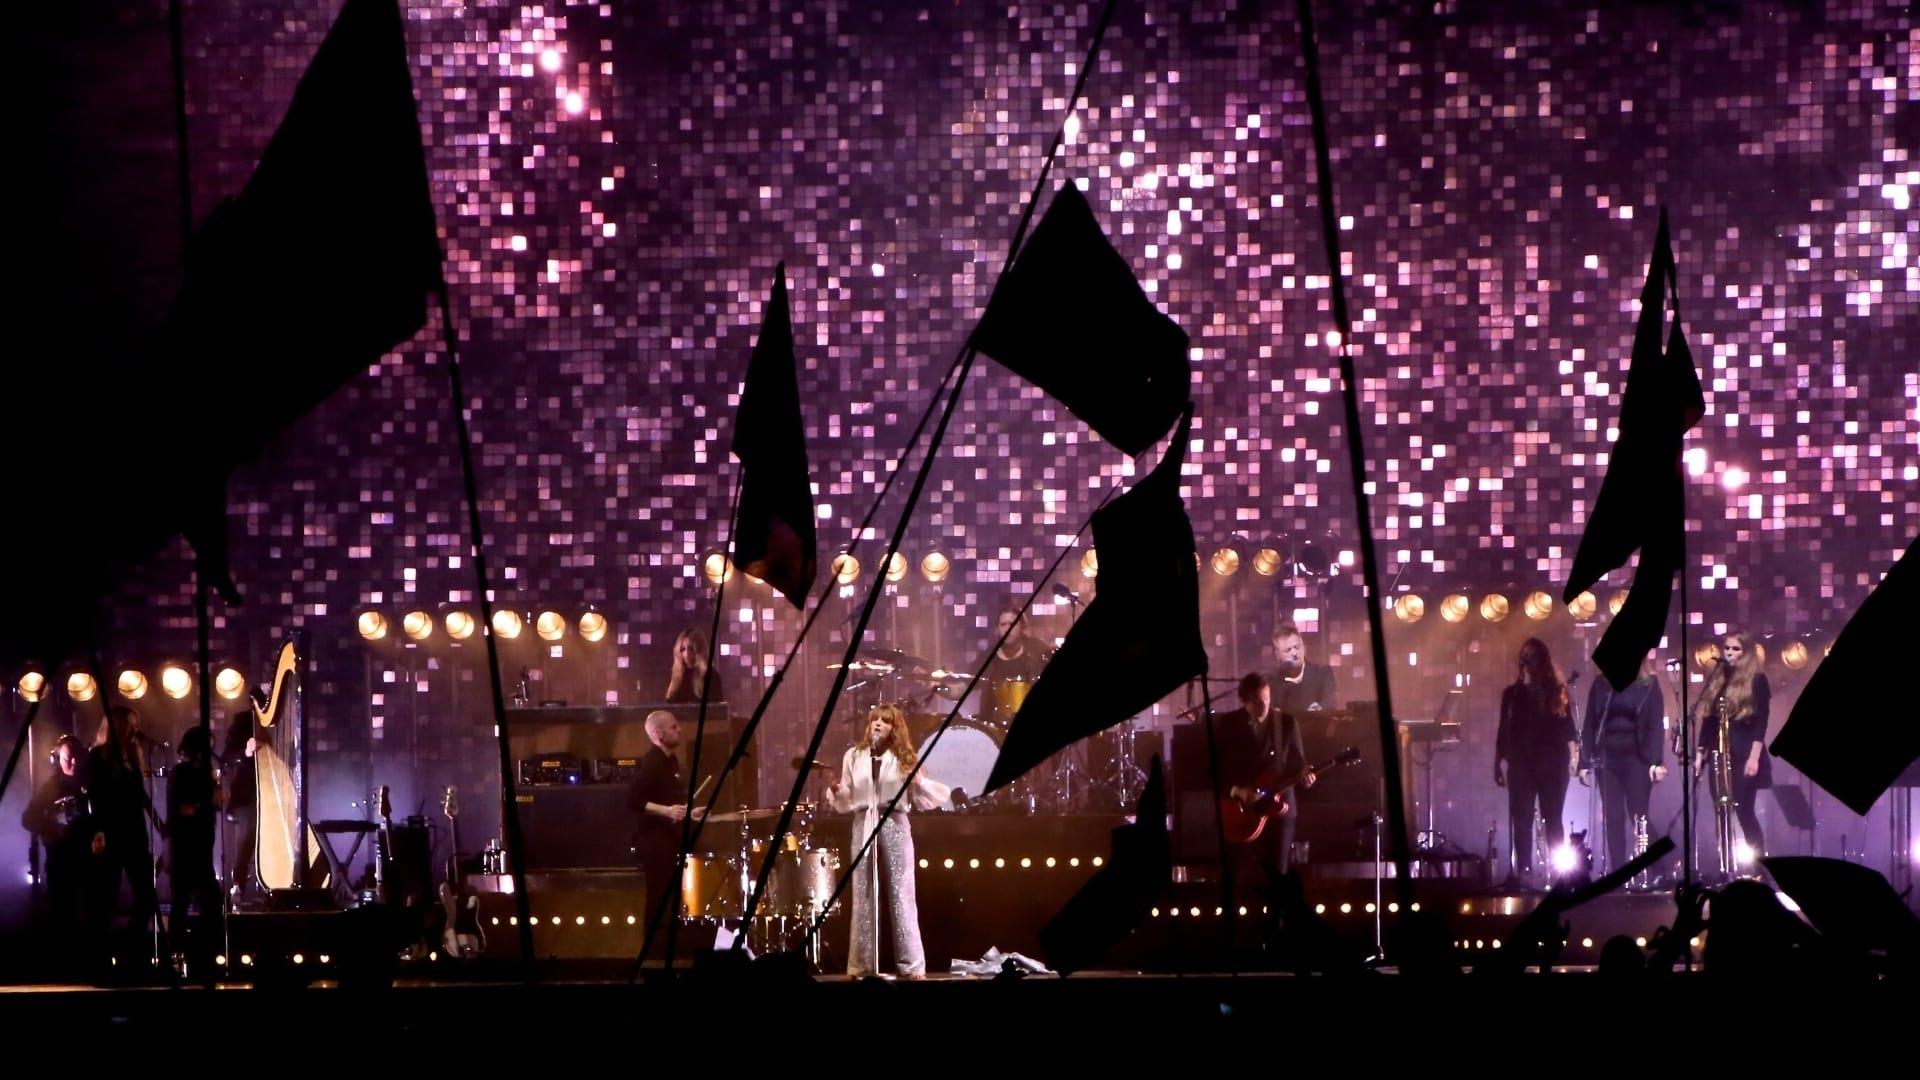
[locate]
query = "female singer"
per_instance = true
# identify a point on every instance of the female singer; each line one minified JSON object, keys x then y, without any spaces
{"x":871,"y":774}
{"x":1738,"y":686}
{"x":1536,"y":752}
{"x":1622,"y":740}
{"x":689,"y":676}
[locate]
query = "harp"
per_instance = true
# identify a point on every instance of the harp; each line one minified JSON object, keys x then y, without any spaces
{"x":283,"y":840}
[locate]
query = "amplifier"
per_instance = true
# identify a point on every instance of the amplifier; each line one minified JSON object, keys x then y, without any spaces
{"x":622,"y":770}
{"x":555,"y":768}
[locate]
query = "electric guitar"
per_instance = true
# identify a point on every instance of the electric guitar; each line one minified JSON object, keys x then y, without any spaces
{"x":462,"y":939}
{"x":1244,"y":821}
{"x":383,"y":850}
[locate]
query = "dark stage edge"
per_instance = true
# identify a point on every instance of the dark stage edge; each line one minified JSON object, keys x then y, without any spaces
{"x":1122,"y":1019}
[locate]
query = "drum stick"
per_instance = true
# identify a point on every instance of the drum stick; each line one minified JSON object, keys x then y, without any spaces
{"x":701,"y":790}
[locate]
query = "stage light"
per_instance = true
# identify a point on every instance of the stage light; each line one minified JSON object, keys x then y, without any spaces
{"x":1311,"y":559}
{"x":1565,"y":859}
{"x":846,"y":568}
{"x":717,"y":568}
{"x":81,"y":687}
{"x":1794,"y":655}
{"x":1743,"y":853}
{"x":1583,"y":606}
{"x":33,"y":686}
{"x":550,"y":625}
{"x":1090,"y":564}
{"x":417,"y":625}
{"x":1226,"y":562}
{"x":1494,"y":607}
{"x":460,"y":624}
{"x":1455,"y":607}
{"x":229,"y":683}
{"x":896,"y":567}
{"x":1409,"y":608}
{"x":1538,"y":605}
{"x":1266,"y":561}
{"x":934,"y":566}
{"x":175,"y":681}
{"x":1617,"y":601}
{"x":373,"y":625}
{"x":132,"y":685}
{"x":507,"y":623}
{"x":593,"y":626}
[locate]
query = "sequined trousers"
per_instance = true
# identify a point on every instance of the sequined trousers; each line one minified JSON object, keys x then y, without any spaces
{"x":889,"y":867}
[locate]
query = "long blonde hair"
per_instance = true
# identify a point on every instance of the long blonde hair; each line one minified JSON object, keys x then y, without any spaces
{"x":902,"y":744}
{"x":1735,"y":679}
{"x":682,"y":678}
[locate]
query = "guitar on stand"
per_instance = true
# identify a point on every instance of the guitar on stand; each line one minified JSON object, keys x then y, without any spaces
{"x":383,"y":850}
{"x":462,"y":938}
{"x":1244,"y":820}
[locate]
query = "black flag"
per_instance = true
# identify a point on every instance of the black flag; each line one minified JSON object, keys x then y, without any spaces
{"x":321,"y":264}
{"x":1140,"y":636}
{"x":774,"y":539}
{"x":1069,"y":317}
{"x":1642,"y":500}
{"x":1853,"y":730}
{"x":1116,"y":900}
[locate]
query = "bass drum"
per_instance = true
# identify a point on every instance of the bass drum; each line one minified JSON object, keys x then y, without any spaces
{"x":962,"y":757}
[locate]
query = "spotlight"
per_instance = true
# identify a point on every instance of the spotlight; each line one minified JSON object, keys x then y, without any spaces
{"x":1538,"y":605}
{"x":1311,"y":559}
{"x":1616,"y":602}
{"x":934,"y":566}
{"x":1266,"y":561}
{"x":81,"y":687}
{"x":417,"y":625}
{"x":593,"y":626}
{"x":1743,"y":853}
{"x":132,"y":685}
{"x":373,"y":625}
{"x":717,"y":568}
{"x":507,"y":624}
{"x":1494,"y":607}
{"x":33,"y":685}
{"x":175,"y":681}
{"x":1794,"y":654}
{"x":846,"y":568}
{"x":1226,"y":561}
{"x":1409,"y":608}
{"x":1573,"y":863}
{"x":460,"y":624}
{"x":1583,"y":606}
{"x":229,"y":683}
{"x":1090,"y":564}
{"x":550,"y":625}
{"x":1455,"y":607}
{"x":896,"y":567}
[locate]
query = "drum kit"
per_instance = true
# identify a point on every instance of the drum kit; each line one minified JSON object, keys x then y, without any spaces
{"x":1098,"y":775}
{"x":716,"y":883}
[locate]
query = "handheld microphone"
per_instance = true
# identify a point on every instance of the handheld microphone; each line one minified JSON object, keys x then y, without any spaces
{"x":1060,"y":590}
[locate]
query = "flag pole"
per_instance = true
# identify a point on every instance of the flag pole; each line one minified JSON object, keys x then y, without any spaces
{"x":1357,"y":462}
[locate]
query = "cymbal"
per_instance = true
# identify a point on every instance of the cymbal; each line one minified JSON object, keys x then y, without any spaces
{"x":894,"y":657}
{"x":763,"y":813}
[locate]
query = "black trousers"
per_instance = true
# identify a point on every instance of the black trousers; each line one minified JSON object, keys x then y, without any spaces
{"x":132,"y":858}
{"x":1542,"y":778}
{"x":1625,"y":790}
{"x":1258,"y":868}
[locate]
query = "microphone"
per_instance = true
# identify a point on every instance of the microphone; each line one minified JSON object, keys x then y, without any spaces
{"x":151,"y":741}
{"x":1573,"y":678}
{"x":1060,"y":590}
{"x":808,"y":763}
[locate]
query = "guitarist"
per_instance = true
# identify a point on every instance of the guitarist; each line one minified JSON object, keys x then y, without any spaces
{"x":1262,"y":760}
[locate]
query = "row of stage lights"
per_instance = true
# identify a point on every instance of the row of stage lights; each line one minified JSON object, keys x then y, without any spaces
{"x":460,"y":624}
{"x":1495,"y":606}
{"x":1309,"y":558}
{"x":132,"y":684}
